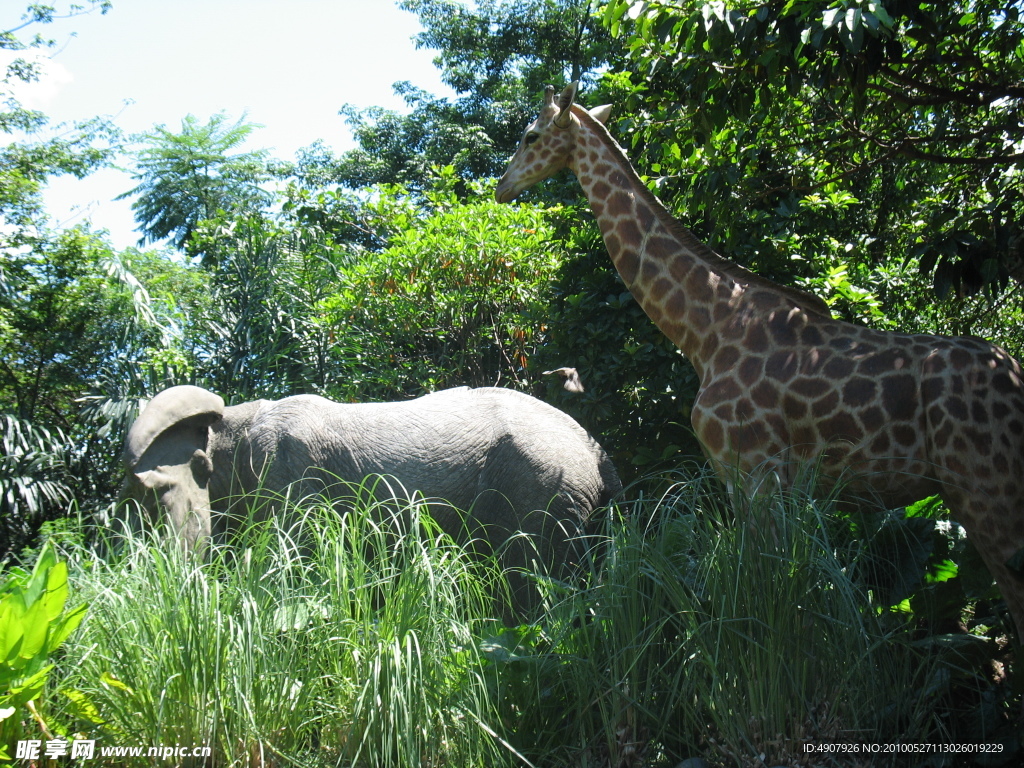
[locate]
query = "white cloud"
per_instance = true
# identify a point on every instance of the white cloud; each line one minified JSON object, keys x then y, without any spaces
{"x":39,"y":93}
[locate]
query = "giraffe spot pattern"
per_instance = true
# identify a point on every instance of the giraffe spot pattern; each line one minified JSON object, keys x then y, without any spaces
{"x":756,"y":337}
{"x":905,"y":434}
{"x":882,"y":362}
{"x":837,"y":368}
{"x":825,"y":405}
{"x":859,"y":391}
{"x":899,"y":396}
{"x":841,"y":426}
{"x":781,"y":366}
{"x":765,"y":395}
{"x":628,"y":264}
{"x":873,"y":418}
{"x":750,"y":370}
{"x":780,"y":327}
{"x":794,"y":408}
{"x":660,"y":288}
{"x":745,"y":410}
{"x":676,"y":303}
{"x":726,"y":358}
{"x":619,"y":205}
{"x":628,"y":231}
{"x":881,"y":445}
{"x":645,"y":217}
{"x":810,"y":388}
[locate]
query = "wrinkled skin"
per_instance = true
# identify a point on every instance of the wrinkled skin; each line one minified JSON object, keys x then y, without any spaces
{"x":498,"y":453}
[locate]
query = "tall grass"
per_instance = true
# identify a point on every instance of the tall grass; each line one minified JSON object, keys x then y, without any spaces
{"x":350,"y":642}
{"x":706,"y":626}
{"x":723,"y":628}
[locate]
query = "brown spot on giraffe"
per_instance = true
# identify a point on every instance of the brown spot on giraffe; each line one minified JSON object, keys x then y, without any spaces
{"x":781,"y":365}
{"x":795,"y":409}
{"x":765,"y":396}
{"x":899,"y":396}
{"x":809,"y":388}
{"x":907,"y":412}
{"x":838,"y":368}
{"x":660,"y":288}
{"x":859,"y":391}
{"x":905,"y":434}
{"x":756,"y":337}
{"x":619,"y":204}
{"x":873,"y":418}
{"x":726,"y":358}
{"x":628,"y":264}
{"x":749,"y":370}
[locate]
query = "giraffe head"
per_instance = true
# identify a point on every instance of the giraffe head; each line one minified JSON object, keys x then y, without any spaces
{"x":547,"y":143}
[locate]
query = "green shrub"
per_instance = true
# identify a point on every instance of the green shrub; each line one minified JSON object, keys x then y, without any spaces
{"x":33,"y":625}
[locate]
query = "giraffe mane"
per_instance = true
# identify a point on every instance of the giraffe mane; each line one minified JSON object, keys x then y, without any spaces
{"x":806,"y":301}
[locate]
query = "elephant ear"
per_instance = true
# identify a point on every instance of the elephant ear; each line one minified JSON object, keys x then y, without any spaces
{"x":173,"y":406}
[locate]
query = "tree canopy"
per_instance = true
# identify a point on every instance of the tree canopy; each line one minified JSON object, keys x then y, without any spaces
{"x":497,"y":56}
{"x":912,"y":110}
{"x":191,"y":176}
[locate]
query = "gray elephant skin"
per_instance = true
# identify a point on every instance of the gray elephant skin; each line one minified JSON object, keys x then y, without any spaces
{"x":514,"y":462}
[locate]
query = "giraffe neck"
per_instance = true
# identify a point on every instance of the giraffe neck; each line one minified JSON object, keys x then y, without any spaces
{"x":687,"y":289}
{"x":678,"y":281}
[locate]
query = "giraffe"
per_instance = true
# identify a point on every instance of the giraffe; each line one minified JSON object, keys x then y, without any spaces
{"x":782,"y":382}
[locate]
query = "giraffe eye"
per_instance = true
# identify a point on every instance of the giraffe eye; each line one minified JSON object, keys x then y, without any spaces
{"x":530,"y":138}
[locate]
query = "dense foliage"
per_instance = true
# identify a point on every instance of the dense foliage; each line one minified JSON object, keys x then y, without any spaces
{"x":861,"y":135}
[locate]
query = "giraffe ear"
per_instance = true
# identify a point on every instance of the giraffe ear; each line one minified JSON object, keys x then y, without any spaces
{"x":565,"y":100}
{"x":602,"y":113}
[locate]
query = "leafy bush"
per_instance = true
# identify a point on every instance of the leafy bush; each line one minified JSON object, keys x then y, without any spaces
{"x":33,"y":625}
{"x":34,"y":480}
{"x":738,"y":631}
{"x":456,"y":299}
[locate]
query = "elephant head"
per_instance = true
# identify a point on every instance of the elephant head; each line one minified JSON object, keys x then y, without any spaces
{"x":168,"y":466}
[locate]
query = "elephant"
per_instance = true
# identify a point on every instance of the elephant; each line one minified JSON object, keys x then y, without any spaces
{"x":492,"y":462}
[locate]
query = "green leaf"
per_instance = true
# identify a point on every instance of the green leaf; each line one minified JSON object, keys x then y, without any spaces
{"x":61,"y":630}
{"x":83,"y":707}
{"x":35,"y":627}
{"x":107,"y":679}
{"x":831,"y":17}
{"x":29,"y":689}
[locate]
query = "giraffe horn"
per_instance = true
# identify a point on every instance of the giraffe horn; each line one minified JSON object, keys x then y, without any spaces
{"x":565,"y":101}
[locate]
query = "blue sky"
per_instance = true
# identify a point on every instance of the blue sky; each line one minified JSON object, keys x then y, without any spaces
{"x":289,"y":64}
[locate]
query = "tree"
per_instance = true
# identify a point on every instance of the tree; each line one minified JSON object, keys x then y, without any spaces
{"x":458,"y":298}
{"x":35,"y":154}
{"x":497,"y":56}
{"x":260,"y":333}
{"x":192,"y":176}
{"x":859,"y":133}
